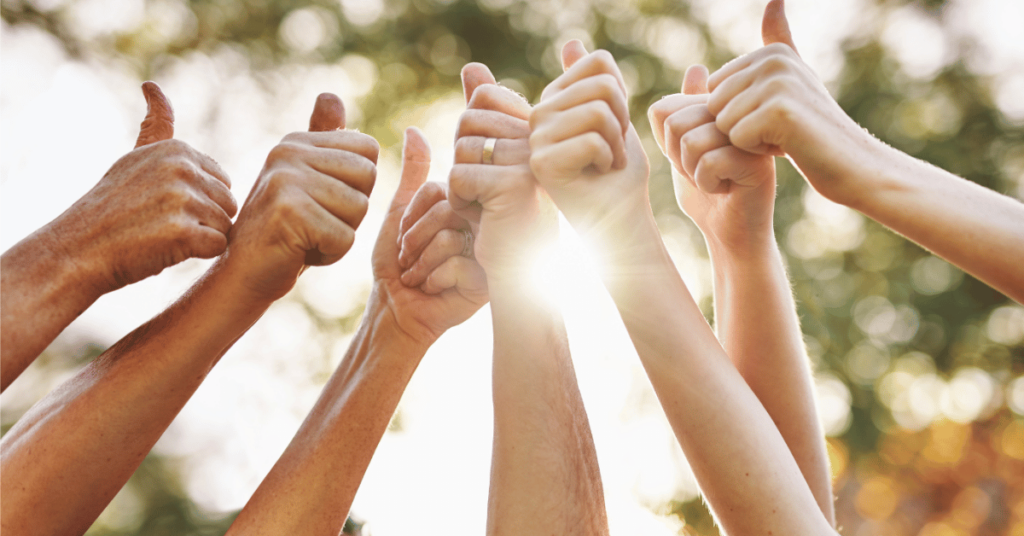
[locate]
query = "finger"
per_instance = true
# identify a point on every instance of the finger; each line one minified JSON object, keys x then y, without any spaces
{"x":470,"y":150}
{"x":210,"y":214}
{"x":695,"y":81}
{"x":747,"y":134}
{"x":216,"y":191}
{"x":343,"y":140}
{"x":342,"y":165}
{"x":731,"y":164}
{"x":567,"y":159}
{"x":594,"y":116}
{"x":775,"y":26}
{"x":471,"y":186}
{"x":740,"y":106}
{"x":500,"y":99}
{"x":661,"y":110}
{"x":697,"y":141}
{"x":211,"y":166}
{"x":326,"y":237}
{"x":445,"y":244}
{"x":328,"y":114}
{"x":206,"y":242}
{"x":598,"y":62}
{"x":491,"y":124}
{"x":676,"y":127}
{"x":572,"y":52}
{"x":464,"y":275}
{"x":415,"y":167}
{"x":438,"y":217}
{"x":428,"y":195}
{"x":159,"y":122}
{"x":344,"y":202}
{"x":731,"y":88}
{"x":475,"y":75}
{"x":600,"y":87}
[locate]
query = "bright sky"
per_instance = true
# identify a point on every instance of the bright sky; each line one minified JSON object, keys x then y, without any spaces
{"x":64,"y":123}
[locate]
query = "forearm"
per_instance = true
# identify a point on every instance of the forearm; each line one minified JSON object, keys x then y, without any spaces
{"x":70,"y":454}
{"x":975,"y":228}
{"x":544,"y":470}
{"x":757,"y":324}
{"x":311,"y":488}
{"x":41,"y":291}
{"x":741,"y":462}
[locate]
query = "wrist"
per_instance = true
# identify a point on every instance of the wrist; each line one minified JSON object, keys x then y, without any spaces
{"x":752,"y":252}
{"x":382,"y":325}
{"x":69,"y":271}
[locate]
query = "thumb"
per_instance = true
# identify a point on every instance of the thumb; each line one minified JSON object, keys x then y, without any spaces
{"x":695,"y":81}
{"x":328,"y":114}
{"x":159,"y":122}
{"x":775,"y":27}
{"x":572,"y":52}
{"x":474,"y":75}
{"x":415,"y":166}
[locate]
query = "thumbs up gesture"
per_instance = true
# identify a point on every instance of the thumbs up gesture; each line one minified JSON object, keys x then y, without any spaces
{"x":160,"y":204}
{"x":728,"y":192}
{"x":770,"y":102}
{"x":584,"y":150}
{"x":306,"y":204}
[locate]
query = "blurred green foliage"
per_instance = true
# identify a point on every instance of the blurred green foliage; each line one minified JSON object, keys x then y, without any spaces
{"x":895,"y":327}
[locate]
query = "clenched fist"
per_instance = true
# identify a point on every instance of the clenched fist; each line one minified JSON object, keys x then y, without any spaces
{"x":160,"y":204}
{"x":306,"y":205}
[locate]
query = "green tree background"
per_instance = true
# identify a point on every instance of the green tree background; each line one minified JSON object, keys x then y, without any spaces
{"x":927,"y":360}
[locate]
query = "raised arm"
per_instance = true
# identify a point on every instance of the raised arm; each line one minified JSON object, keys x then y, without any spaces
{"x":730,"y":195}
{"x":742,"y":464}
{"x":770,"y":101}
{"x":311,"y":487}
{"x":544,"y":472}
{"x":71,"y":453}
{"x":157,"y":206}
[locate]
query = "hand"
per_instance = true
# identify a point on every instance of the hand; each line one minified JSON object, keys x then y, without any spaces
{"x":418,"y":267}
{"x":160,"y":204}
{"x":306,"y":205}
{"x":514,"y":216}
{"x":584,"y":151}
{"x":729,"y":193}
{"x":771,"y":102}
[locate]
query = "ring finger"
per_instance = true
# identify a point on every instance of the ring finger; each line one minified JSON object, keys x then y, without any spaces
{"x":470,"y":150}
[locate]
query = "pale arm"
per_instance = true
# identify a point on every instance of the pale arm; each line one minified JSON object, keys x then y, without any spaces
{"x":544,"y":472}
{"x":975,"y":228}
{"x":756,"y":320}
{"x":743,"y":466}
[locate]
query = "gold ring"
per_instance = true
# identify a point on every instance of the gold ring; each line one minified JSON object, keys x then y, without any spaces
{"x":488,"y":156}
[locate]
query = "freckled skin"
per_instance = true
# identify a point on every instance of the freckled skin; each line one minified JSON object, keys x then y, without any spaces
{"x":158,"y":205}
{"x":67,"y":457}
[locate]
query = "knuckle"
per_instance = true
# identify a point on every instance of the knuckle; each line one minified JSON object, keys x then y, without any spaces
{"x":284,"y":150}
{"x":463,"y":149}
{"x":604,"y":57}
{"x":688,"y":143}
{"x":295,"y":137}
